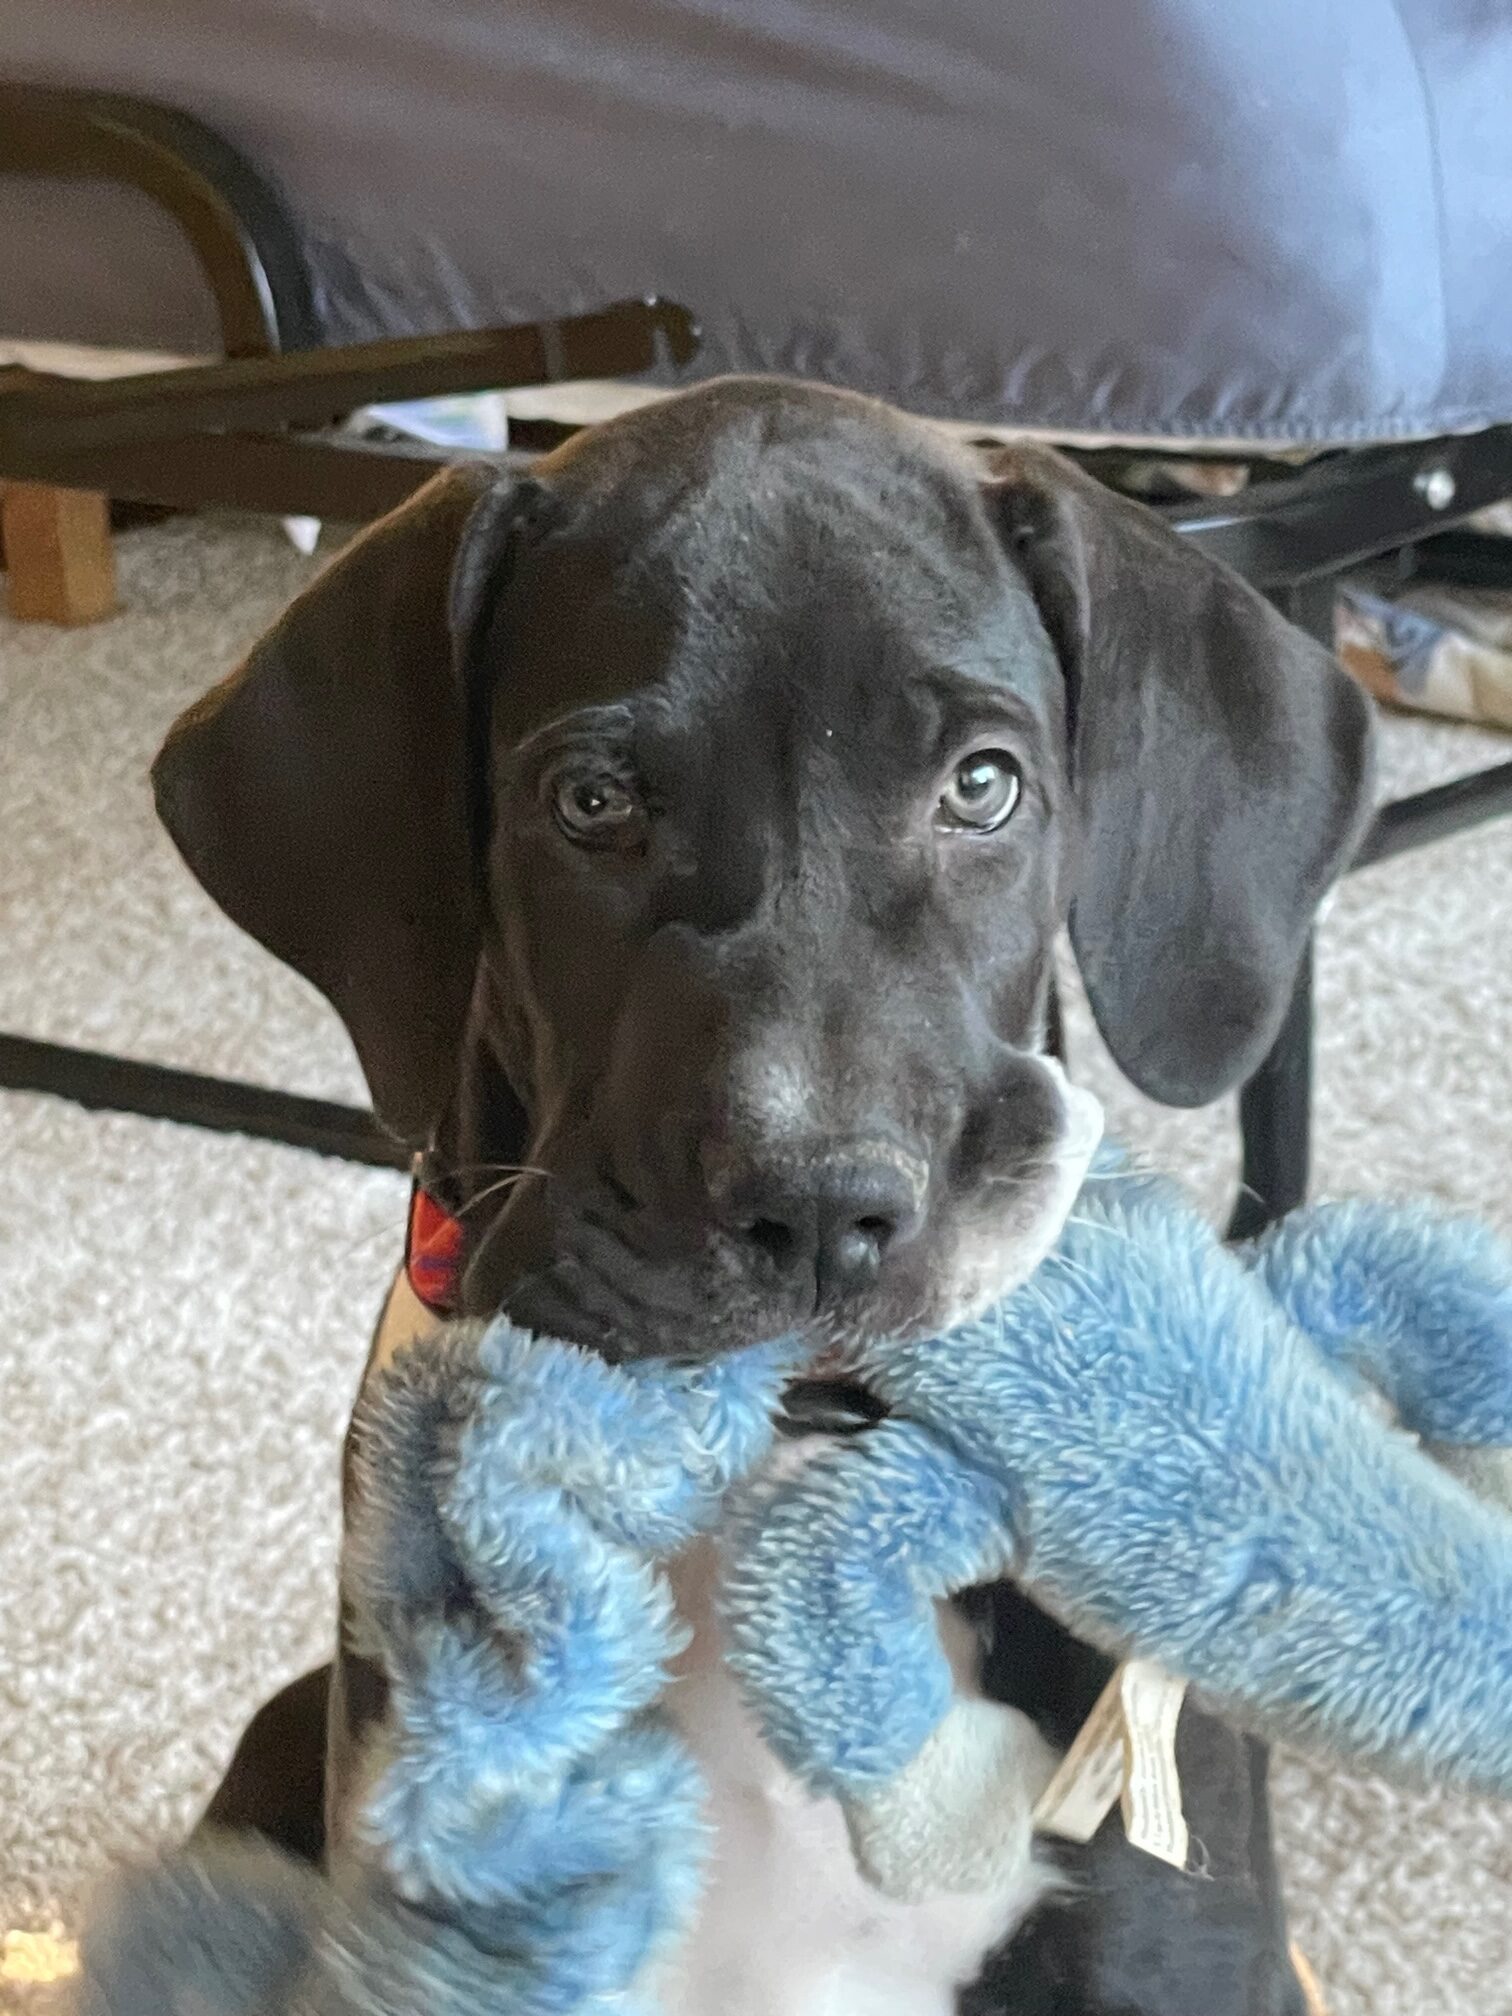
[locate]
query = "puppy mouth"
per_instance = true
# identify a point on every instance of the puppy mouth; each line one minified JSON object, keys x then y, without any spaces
{"x":628,"y":1287}
{"x":626,"y":1283}
{"x":628,"y":1280}
{"x":630,"y":1284}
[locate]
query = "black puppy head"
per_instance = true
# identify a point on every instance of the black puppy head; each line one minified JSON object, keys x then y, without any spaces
{"x":706,"y":805}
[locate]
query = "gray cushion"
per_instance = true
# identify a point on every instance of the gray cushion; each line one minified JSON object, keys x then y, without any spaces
{"x":1266,"y":218}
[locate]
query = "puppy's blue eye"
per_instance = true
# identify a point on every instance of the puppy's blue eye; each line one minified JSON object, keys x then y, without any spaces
{"x":982,"y":794}
{"x":596,"y":811}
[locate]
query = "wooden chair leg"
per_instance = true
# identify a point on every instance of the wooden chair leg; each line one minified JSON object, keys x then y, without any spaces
{"x":58,"y":555}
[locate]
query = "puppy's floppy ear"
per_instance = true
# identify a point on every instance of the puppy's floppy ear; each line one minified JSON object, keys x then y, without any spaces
{"x":1222,"y":771}
{"x":324,"y":794}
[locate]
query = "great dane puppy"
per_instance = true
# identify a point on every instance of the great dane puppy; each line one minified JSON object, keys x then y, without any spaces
{"x":688,"y":826}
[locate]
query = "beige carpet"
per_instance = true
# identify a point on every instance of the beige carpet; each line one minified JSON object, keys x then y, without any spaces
{"x":184,"y":1315}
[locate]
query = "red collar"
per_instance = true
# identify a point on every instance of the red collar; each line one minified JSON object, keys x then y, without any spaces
{"x":433,"y":1252}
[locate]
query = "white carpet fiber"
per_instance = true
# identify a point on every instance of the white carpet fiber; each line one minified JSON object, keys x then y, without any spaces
{"x":184,"y":1315}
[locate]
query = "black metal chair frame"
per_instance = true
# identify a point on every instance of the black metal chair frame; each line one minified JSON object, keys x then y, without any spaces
{"x":261,"y":432}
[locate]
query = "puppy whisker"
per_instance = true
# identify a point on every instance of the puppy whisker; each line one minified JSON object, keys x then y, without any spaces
{"x":510,"y":1181}
{"x":1024,"y":1173}
{"x":362,"y":1242}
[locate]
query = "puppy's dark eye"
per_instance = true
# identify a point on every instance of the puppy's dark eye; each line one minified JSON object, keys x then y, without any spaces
{"x":982,"y":794}
{"x":596,"y":811}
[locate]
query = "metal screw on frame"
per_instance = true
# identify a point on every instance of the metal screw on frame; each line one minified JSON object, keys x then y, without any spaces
{"x":1436,"y":487}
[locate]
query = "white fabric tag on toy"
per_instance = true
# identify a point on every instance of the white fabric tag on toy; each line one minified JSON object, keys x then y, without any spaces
{"x":1126,"y":1748}
{"x":1152,"y":1815}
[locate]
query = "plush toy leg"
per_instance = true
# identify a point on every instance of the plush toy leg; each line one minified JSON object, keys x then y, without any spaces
{"x":231,"y":1930}
{"x":225,"y":1929}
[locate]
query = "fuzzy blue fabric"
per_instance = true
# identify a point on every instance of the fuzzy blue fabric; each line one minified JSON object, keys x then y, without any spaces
{"x":1160,"y":1437}
{"x":530,"y":1834}
{"x":516,"y":1495}
{"x":1415,"y":1305}
{"x":1152,"y":1437}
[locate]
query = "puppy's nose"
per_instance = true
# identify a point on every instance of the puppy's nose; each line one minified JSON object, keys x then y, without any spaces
{"x":835,"y":1218}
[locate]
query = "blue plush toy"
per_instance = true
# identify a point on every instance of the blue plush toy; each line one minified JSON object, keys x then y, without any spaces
{"x":1163,"y":1439}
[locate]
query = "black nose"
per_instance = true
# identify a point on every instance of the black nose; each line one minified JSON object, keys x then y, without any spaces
{"x":832,"y":1219}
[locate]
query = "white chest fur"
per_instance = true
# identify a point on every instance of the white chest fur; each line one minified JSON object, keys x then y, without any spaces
{"x":789,"y":1926}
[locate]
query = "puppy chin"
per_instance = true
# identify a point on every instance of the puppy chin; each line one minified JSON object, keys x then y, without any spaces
{"x":555,"y":1301}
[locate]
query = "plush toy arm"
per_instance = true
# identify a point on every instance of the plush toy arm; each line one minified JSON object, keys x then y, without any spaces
{"x":828,"y":1601}
{"x":1416,"y":1303}
{"x":530,"y":1833}
{"x":835,"y":1622}
{"x":512,"y":1496}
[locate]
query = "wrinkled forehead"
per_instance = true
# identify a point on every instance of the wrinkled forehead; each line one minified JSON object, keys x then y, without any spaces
{"x":796,"y":612}
{"x":860,"y":680}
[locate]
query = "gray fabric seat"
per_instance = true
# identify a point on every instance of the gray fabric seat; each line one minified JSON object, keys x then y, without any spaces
{"x":1262,"y":221}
